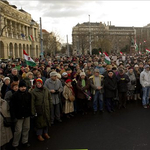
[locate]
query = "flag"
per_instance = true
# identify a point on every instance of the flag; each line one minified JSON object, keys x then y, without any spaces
{"x":29,"y":60}
{"x":144,"y":41}
{"x":100,"y":53}
{"x":121,"y":53}
{"x":140,"y":52}
{"x":107,"y":59}
{"x":22,"y":35}
{"x":147,"y":50}
{"x":31,"y":38}
{"x":136,"y":46}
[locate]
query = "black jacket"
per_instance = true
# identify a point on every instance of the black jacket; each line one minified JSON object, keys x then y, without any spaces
{"x":20,"y":105}
{"x":122,"y":81}
{"x":110,"y":87}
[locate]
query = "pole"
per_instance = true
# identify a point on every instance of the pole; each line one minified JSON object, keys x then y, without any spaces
{"x":41,"y":38}
{"x":90,"y":48}
{"x":68,"y":47}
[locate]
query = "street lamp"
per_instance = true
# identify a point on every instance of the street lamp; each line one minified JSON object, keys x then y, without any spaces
{"x":90,"y":48}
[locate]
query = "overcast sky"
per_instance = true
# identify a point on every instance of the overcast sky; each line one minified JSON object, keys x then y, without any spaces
{"x":61,"y":16}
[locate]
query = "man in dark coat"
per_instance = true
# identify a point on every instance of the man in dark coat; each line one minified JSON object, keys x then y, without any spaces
{"x":20,"y":108}
{"x":122,"y":80}
{"x":110,"y":87}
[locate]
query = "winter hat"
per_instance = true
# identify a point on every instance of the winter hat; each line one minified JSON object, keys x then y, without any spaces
{"x":6,"y":78}
{"x":39,"y":80}
{"x":146,"y":66}
{"x":29,"y":73}
{"x":22,"y":83}
{"x":68,"y":80}
{"x":58,"y":75}
{"x":64,"y":74}
{"x":82,"y":74}
{"x":136,"y":66}
{"x":52,"y":74}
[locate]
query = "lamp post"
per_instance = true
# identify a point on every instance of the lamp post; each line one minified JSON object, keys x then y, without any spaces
{"x":41,"y":38}
{"x":90,"y":48}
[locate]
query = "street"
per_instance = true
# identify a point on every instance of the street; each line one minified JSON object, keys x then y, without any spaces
{"x":125,"y":129}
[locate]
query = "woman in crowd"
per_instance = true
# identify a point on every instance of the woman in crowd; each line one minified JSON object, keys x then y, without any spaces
{"x":131,"y":84}
{"x":14,"y":88}
{"x":67,"y":93}
{"x":5,"y":87}
{"x":41,"y":106}
{"x":5,"y":132}
{"x":83,"y":86}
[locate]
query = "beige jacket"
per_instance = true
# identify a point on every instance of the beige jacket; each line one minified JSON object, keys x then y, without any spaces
{"x":5,"y":132}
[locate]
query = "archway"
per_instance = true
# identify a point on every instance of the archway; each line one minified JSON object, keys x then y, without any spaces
{"x":31,"y":53}
{"x":20,"y":51}
{"x":1,"y":49}
{"x":16,"y":51}
{"x":28,"y":51}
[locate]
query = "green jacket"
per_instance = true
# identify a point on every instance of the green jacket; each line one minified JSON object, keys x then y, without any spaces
{"x":93,"y":86}
{"x":41,"y":98}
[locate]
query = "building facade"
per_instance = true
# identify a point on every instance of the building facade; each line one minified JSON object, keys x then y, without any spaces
{"x":18,"y":32}
{"x":108,"y":37}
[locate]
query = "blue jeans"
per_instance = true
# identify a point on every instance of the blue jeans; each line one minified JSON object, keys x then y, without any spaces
{"x":98,"y":98}
{"x":145,"y":98}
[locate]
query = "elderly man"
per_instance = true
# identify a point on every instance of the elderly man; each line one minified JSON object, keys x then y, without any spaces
{"x":55,"y":87}
{"x":14,"y":75}
{"x":145,"y":82}
{"x":97,"y":84}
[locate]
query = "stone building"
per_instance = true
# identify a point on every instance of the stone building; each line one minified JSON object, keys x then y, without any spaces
{"x":18,"y":32}
{"x":108,"y":37}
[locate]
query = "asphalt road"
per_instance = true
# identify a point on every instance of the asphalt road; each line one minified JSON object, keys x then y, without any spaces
{"x":125,"y":129}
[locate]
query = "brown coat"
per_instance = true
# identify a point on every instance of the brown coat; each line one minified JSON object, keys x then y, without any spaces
{"x":69,"y":106}
{"x":81,"y":89}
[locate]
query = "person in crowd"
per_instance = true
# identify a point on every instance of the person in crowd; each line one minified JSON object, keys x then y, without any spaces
{"x":138,"y":85}
{"x":108,"y":67}
{"x":5,"y":86}
{"x":14,"y":74}
{"x":83,"y":86}
{"x":64,"y":78}
{"x":34,"y":71}
{"x":25,"y":71}
{"x":39,"y":75}
{"x":101,"y":68}
{"x":29,"y":80}
{"x":145,"y":82}
{"x":20,"y":108}
{"x":97,"y":85}
{"x":68,"y":91}
{"x":122,"y":84}
{"x":110,"y":88}
{"x":8,"y":95}
{"x":131,"y":85}
{"x":41,"y":107}
{"x":55,"y":87}
{"x":5,"y":132}
{"x":89,"y":67}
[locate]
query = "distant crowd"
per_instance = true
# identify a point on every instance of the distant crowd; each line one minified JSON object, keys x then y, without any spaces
{"x":64,"y":86}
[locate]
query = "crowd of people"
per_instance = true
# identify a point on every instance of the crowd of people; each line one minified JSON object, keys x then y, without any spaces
{"x":63,"y":86}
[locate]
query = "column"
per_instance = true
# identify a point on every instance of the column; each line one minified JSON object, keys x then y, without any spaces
{"x":5,"y":50}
